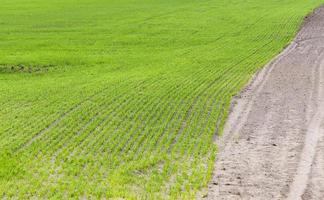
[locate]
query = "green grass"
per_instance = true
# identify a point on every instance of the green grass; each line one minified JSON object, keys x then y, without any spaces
{"x":122,"y":98}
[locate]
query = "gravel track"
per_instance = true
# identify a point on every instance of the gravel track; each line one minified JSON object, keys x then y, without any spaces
{"x":273,"y":142}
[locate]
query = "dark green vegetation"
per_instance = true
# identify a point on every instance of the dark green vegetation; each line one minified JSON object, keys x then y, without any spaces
{"x":122,"y":98}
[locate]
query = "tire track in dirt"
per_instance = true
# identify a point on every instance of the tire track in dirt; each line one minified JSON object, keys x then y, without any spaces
{"x":273,"y":145}
{"x":313,"y":135}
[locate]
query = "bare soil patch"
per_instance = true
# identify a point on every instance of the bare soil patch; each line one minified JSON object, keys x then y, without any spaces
{"x":25,"y":68}
{"x":273,"y":142}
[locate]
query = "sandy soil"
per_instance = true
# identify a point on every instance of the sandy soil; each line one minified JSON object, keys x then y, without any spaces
{"x":273,"y":143}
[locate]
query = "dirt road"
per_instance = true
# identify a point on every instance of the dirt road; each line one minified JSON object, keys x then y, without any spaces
{"x":273,"y":143}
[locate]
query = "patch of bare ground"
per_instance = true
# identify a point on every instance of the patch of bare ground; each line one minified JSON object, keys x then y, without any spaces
{"x":273,"y":142}
{"x":25,"y":68}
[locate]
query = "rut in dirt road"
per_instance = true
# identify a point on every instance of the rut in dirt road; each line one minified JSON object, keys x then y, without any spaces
{"x":273,"y":143}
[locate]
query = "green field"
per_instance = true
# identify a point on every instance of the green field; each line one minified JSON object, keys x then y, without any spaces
{"x":123,"y":98}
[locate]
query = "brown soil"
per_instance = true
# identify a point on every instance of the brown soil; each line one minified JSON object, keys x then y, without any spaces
{"x":273,"y":142}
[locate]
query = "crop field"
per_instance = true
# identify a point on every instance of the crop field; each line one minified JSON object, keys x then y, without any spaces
{"x":125,"y":98}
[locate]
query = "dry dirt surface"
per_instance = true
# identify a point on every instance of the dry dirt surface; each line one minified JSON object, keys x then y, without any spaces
{"x":273,"y":142}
